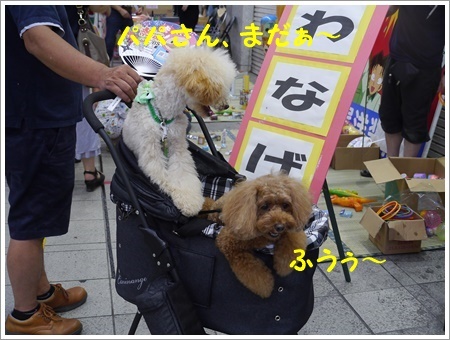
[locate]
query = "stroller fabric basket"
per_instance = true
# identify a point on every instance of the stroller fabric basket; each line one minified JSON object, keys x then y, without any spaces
{"x":169,"y":266}
{"x":222,"y":303}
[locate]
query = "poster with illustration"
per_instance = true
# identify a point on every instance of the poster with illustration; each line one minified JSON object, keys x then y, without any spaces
{"x":364,"y":110}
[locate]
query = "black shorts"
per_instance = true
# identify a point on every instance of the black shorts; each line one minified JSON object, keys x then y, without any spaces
{"x":408,"y":93}
{"x":40,"y":174}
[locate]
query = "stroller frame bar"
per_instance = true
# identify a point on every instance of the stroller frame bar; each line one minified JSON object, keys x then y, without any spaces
{"x":159,"y":247}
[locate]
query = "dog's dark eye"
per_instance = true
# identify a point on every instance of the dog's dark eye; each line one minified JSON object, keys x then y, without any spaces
{"x":265,"y":207}
{"x":286,"y":206}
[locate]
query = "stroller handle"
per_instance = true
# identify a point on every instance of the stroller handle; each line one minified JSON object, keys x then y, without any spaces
{"x":159,"y":247}
{"x":88,"y":110}
{"x":96,"y":125}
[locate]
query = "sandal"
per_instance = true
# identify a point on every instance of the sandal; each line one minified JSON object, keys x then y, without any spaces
{"x":92,"y":184}
{"x":365,"y":173}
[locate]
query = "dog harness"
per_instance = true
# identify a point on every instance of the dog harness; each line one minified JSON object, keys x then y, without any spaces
{"x":144,"y":96}
{"x":162,"y":127}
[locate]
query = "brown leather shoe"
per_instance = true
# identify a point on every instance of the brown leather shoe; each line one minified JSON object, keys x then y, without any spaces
{"x":64,"y":300}
{"x":44,"y":322}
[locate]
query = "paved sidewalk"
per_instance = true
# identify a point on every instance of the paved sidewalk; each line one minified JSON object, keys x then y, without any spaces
{"x":405,"y":295}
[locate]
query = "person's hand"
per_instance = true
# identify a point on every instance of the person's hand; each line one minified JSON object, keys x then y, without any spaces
{"x":122,"y":81}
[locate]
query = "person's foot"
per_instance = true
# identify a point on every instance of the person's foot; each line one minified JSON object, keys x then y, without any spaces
{"x":63,"y":300}
{"x":44,"y":322}
{"x":97,"y":180}
{"x":365,"y":173}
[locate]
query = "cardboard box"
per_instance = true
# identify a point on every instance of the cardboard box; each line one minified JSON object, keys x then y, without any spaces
{"x":394,"y":236}
{"x":346,"y":158}
{"x":389,"y":170}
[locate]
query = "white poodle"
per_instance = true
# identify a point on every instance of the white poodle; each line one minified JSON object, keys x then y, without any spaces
{"x":155,"y":127}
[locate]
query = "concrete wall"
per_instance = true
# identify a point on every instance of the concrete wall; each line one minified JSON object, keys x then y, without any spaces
{"x":244,"y":16}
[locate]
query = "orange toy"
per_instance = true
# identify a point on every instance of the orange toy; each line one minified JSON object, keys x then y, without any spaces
{"x":351,"y":202}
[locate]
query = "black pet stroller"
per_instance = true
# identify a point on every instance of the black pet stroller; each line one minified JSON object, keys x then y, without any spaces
{"x":173,"y":272}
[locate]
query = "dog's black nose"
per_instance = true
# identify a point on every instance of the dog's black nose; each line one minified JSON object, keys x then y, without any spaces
{"x":279,"y":228}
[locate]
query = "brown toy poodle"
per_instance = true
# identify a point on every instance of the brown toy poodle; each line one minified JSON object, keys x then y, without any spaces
{"x":272,"y":209}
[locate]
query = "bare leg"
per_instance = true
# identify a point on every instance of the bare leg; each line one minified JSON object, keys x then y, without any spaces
{"x":25,"y":262}
{"x":410,"y":149}
{"x":89,"y":165}
{"x":393,"y":142}
{"x":44,"y":284}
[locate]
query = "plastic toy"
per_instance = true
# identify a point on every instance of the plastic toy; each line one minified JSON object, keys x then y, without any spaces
{"x":351,"y":202}
{"x":346,"y":213}
{"x":440,"y":232}
{"x":267,"y":23}
{"x":432,"y":218}
{"x":393,"y":210}
{"x":349,"y":129}
{"x":343,"y":193}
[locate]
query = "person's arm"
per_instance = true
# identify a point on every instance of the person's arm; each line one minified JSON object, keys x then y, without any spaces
{"x":47,"y":46}
{"x":122,"y":11}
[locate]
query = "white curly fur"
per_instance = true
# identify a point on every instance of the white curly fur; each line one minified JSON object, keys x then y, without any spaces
{"x":190,"y":76}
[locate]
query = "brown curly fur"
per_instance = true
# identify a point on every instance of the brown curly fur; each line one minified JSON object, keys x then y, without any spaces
{"x":270,"y":209}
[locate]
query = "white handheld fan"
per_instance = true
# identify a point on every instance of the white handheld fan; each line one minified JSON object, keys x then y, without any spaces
{"x":142,"y":61}
{"x":147,"y":44}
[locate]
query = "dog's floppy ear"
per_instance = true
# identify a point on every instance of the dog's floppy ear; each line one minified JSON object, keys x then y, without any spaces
{"x":239,"y":210}
{"x":201,"y":86}
{"x":204,"y":73}
{"x":301,"y":201}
